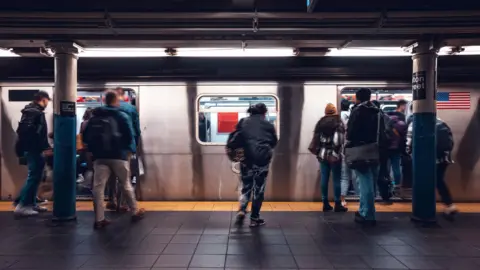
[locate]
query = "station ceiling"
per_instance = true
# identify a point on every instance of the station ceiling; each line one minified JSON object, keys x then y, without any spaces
{"x":27,"y":25}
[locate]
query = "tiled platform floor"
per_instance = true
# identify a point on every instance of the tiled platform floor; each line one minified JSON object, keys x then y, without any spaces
{"x":208,"y":240}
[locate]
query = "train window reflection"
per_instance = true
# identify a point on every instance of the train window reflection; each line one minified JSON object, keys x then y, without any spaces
{"x":217,"y":115}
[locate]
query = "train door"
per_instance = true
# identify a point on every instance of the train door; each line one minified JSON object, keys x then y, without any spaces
{"x":14,"y":99}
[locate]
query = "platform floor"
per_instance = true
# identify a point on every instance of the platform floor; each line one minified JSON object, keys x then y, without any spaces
{"x":208,"y":239}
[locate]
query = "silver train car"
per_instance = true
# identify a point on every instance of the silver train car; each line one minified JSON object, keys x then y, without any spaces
{"x":185,"y":161}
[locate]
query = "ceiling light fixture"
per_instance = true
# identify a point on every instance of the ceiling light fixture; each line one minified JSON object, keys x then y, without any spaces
{"x":8,"y":53}
{"x":234,"y":52}
{"x":123,"y":52}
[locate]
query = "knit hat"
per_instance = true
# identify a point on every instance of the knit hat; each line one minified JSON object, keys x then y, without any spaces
{"x":330,"y":109}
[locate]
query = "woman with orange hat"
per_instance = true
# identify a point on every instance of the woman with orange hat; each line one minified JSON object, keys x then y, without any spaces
{"x":327,"y":145}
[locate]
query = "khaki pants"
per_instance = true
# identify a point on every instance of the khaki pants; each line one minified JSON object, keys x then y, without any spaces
{"x":103,"y":169}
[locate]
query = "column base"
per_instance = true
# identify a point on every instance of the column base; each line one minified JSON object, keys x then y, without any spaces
{"x":64,"y":219}
{"x":423,"y":221}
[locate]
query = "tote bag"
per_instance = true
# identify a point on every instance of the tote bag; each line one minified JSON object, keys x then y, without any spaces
{"x":364,"y":154}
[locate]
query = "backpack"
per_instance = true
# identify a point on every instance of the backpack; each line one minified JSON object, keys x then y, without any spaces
{"x":444,"y":137}
{"x":235,"y":145}
{"x":103,"y":134}
{"x":27,"y":134}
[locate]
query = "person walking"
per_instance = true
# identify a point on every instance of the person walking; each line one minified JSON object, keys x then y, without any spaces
{"x":108,"y":136}
{"x":327,"y":146}
{"x":259,"y":138}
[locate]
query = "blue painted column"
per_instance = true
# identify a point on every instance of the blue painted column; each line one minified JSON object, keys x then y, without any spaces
{"x":424,"y":87}
{"x":65,"y":96}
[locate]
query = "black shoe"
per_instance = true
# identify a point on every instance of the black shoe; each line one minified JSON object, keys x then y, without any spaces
{"x":256,"y":222}
{"x":327,"y":207}
{"x":386,"y":202}
{"x":361,"y":220}
{"x":340,"y":208}
{"x":111,"y":206}
{"x":240,"y":218}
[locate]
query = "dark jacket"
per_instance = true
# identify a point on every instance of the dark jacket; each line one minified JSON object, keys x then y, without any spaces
{"x":35,"y":112}
{"x":260,"y":139}
{"x":399,"y":134}
{"x":328,"y":138}
{"x":363,"y":124}
{"x":124,"y":128}
{"x":132,"y":112}
{"x":400,"y":115}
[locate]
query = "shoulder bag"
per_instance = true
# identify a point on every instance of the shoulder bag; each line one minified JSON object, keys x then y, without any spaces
{"x":364,"y":154}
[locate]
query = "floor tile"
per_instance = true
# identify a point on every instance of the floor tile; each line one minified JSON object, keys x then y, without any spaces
{"x":206,"y":261}
{"x":305,"y":249}
{"x":416,"y":262}
{"x":347,"y":262}
{"x":383,"y":262}
{"x":185,"y":239}
{"x":313,"y":262}
{"x":211,"y":249}
{"x":278,"y":261}
{"x":173,"y":261}
{"x":401,"y":250}
{"x":179,"y":249}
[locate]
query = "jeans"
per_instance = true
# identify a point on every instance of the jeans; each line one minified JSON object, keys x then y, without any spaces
{"x":367,"y":177}
{"x":336,"y":169}
{"x":395,"y":158}
{"x":36,"y":164}
{"x":254,"y":179}
{"x":103,"y":169}
{"x":347,"y":177}
{"x":442,"y":187}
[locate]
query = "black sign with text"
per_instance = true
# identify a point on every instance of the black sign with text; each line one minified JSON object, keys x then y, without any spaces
{"x":67,"y":108}
{"x":419,"y":85}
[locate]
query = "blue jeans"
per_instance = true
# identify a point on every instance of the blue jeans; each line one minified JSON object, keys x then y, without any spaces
{"x":395,"y":159}
{"x":36,"y":164}
{"x":347,"y":177}
{"x":336,"y":169}
{"x":367,"y":177}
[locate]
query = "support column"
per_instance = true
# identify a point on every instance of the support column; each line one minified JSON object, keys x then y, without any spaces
{"x":64,"y":107}
{"x":424,"y":87}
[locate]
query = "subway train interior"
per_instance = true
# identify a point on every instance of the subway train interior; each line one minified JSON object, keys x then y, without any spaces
{"x":185,"y":126}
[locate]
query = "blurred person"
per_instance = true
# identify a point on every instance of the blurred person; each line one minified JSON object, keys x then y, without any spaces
{"x":81,"y":151}
{"x":327,"y":146}
{"x":400,"y":111}
{"x":203,"y":127}
{"x":365,"y":132}
{"x":444,"y":145}
{"x":397,"y":147}
{"x":32,"y":143}
{"x":259,"y":138}
{"x":347,"y":177}
{"x":108,"y":136}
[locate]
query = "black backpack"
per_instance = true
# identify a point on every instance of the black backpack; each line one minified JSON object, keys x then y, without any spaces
{"x":103,"y":134}
{"x":28,"y":133}
{"x":444,"y":137}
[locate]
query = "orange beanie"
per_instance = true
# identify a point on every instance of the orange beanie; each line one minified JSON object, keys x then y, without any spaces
{"x":330,"y":109}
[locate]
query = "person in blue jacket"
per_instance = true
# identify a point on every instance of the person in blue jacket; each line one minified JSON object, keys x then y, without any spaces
{"x":131,"y":111}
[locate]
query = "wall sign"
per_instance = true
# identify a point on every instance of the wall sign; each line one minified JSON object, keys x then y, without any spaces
{"x":67,"y":108}
{"x":419,"y":85}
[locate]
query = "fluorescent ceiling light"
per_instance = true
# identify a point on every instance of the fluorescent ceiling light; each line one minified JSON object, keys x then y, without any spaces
{"x":7,"y":53}
{"x":123,"y":52}
{"x":368,"y":51}
{"x":234,"y":52}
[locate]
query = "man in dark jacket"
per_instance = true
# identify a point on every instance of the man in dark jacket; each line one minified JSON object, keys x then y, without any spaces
{"x":108,"y":136}
{"x":260,"y":139}
{"x":33,"y":143}
{"x":363,"y":129}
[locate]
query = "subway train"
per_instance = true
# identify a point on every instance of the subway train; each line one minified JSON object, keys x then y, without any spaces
{"x":185,"y":126}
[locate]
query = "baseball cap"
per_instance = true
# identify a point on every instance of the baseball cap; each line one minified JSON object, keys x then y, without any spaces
{"x":42,"y":94}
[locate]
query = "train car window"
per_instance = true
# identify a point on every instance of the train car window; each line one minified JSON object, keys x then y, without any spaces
{"x":21,"y":95}
{"x":217,"y":115}
{"x":387,"y":97}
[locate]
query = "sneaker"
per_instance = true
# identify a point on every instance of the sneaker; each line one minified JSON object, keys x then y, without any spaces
{"x":361,"y":220}
{"x":101,"y":224}
{"x":139,"y":215}
{"x":256,"y":222}
{"x":40,"y":209}
{"x":344,"y":203}
{"x":24,"y":211}
{"x":41,"y":201}
{"x":327,"y":207}
{"x":240,"y":218}
{"x":340,"y":208}
{"x":450,"y":212}
{"x":80,"y":179}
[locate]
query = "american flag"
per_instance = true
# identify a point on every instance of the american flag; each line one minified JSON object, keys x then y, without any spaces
{"x":453,"y":100}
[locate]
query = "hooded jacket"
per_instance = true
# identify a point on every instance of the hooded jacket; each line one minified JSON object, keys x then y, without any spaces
{"x":363,"y":126}
{"x":132,"y":113}
{"x":328,"y":138}
{"x":35,"y":112}
{"x":125,"y":129}
{"x":260,"y":140}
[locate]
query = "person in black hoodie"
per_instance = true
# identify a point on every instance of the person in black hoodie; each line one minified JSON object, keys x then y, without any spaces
{"x":327,"y":146}
{"x":260,"y":139}
{"x":363,"y":128}
{"x":32,"y":144}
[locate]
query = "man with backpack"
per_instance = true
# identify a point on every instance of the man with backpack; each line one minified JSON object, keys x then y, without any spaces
{"x":32,"y":144}
{"x":256,"y":137}
{"x":108,"y":136}
{"x":444,"y":145}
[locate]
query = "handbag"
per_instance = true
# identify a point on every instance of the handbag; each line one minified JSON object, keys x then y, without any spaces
{"x":364,"y":154}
